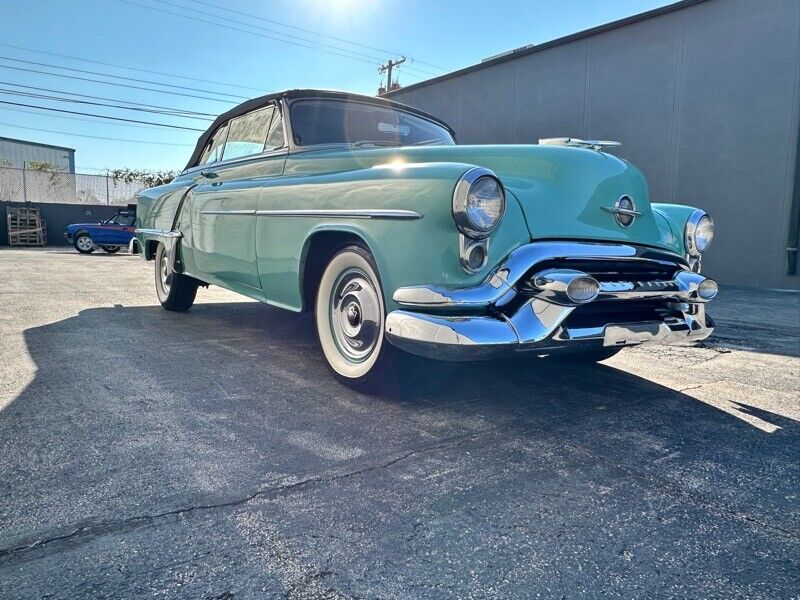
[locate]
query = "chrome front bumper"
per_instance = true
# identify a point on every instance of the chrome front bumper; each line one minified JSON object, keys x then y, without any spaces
{"x":511,"y":311}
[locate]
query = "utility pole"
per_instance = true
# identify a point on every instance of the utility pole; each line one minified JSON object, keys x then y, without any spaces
{"x":387,"y":68}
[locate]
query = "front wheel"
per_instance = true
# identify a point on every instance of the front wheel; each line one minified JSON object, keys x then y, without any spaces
{"x":350,"y":317}
{"x":175,"y":290}
{"x":83,"y":243}
{"x":110,"y":249}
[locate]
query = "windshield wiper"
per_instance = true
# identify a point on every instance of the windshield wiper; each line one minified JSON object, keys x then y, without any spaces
{"x":360,"y":143}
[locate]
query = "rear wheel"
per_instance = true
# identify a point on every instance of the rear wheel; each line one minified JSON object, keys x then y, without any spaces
{"x":110,"y":249}
{"x":175,"y":290}
{"x":83,"y":243}
{"x":350,"y":317}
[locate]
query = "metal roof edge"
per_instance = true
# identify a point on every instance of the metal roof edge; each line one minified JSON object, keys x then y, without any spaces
{"x":40,"y":144}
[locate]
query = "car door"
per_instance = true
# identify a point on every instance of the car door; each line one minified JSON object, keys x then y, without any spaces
{"x":120,"y":229}
{"x":224,"y":201}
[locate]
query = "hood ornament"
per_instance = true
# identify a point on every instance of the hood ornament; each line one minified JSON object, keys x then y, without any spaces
{"x":624,"y":211}
{"x":577,"y":143}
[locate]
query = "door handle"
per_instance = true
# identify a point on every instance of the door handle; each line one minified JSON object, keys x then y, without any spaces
{"x":208,"y":174}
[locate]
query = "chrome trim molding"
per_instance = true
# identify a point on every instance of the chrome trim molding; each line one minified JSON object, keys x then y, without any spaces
{"x":159,"y":233}
{"x":460,"y":202}
{"x":228,"y":212}
{"x":342,"y":213}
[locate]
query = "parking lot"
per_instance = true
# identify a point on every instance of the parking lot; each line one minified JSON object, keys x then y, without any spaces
{"x":147,"y":454}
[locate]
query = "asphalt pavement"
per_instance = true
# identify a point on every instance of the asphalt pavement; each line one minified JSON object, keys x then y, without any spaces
{"x":148,"y":454}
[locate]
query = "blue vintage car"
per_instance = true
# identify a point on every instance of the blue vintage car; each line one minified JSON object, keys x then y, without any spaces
{"x":110,"y":235}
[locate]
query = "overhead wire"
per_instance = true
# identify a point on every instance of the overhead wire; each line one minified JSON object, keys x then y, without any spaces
{"x":143,"y":105}
{"x":122,"y":77}
{"x":61,"y":110}
{"x":7,"y":92}
{"x":129,"y":68}
{"x":113,"y":83}
{"x":97,"y":137}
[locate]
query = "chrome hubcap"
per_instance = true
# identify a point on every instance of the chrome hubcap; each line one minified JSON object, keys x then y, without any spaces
{"x":355,"y":315}
{"x":163,"y":273}
{"x":85,"y":243}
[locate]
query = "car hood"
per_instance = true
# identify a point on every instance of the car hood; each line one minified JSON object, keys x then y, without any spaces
{"x":562,"y":191}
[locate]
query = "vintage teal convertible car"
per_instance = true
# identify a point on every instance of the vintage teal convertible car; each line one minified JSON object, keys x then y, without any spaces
{"x":366,"y":212}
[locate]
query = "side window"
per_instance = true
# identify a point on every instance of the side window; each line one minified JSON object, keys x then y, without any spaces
{"x":126,"y":220}
{"x":275,"y":135}
{"x":248,"y":133}
{"x":213,"y":150}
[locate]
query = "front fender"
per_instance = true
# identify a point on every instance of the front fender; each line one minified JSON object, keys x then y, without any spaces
{"x":676,"y":216}
{"x":407,"y":251}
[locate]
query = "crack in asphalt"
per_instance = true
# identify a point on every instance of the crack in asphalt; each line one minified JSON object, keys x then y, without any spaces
{"x":91,"y":530}
{"x":674,"y":490}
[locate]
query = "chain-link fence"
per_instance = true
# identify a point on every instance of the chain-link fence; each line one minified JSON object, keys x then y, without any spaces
{"x":34,"y":185}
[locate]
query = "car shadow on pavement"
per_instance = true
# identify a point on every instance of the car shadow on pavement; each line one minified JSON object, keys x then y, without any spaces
{"x":136,"y":410}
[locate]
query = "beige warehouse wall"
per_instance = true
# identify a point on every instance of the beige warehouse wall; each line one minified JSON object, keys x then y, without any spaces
{"x":704,"y":99}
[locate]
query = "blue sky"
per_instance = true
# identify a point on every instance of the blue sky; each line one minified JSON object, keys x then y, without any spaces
{"x":438,"y":36}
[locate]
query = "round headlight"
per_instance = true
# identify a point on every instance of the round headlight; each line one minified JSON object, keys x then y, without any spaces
{"x":699,"y":233}
{"x":478,"y":203}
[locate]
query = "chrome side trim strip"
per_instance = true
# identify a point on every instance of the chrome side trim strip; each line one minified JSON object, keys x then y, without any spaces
{"x":343,"y":213}
{"x":228,"y":212}
{"x":159,"y":233}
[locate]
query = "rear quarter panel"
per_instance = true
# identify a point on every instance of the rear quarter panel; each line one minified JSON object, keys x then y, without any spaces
{"x":157,"y":208}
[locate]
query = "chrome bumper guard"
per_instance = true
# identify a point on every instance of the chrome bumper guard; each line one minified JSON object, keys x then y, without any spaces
{"x":518,"y":309}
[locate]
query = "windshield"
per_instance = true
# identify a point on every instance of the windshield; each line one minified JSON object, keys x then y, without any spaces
{"x":343,"y":122}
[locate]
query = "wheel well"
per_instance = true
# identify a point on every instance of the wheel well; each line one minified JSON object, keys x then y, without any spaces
{"x":321,"y":248}
{"x":150,"y":249}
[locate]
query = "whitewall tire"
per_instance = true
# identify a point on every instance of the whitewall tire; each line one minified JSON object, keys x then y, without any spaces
{"x":350,"y":317}
{"x":175,"y":291}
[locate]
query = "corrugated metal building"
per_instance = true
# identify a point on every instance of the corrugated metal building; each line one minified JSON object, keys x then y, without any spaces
{"x":17,"y":153}
{"x":704,"y":96}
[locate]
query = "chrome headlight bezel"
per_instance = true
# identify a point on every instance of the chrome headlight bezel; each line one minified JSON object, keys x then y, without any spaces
{"x":690,"y":233}
{"x":460,"y":204}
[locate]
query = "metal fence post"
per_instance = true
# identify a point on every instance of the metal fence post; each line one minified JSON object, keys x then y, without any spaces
{"x":108,"y":193}
{"x":24,"y":184}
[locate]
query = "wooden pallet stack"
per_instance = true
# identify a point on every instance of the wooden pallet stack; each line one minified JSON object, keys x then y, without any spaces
{"x":26,"y":227}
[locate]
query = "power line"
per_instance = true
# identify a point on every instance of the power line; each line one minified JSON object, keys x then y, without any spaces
{"x":105,"y":64}
{"x":289,"y":35}
{"x":316,"y":46}
{"x":176,"y":110}
{"x":317,"y":33}
{"x":98,"y":137}
{"x":72,"y":112}
{"x":262,"y":35}
{"x":85,"y":119}
{"x":101,"y":74}
{"x":125,"y":85}
{"x":6,"y":91}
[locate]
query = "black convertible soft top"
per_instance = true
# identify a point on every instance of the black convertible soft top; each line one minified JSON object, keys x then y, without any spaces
{"x":250,"y":105}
